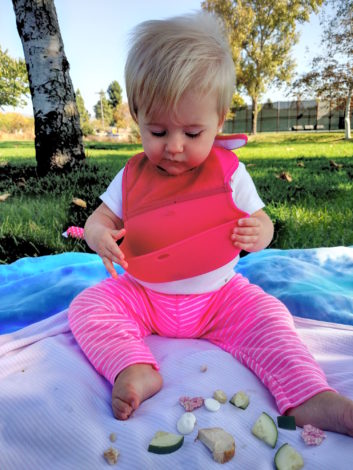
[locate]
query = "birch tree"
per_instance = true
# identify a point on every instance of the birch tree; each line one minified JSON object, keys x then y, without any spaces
{"x":58,"y":137}
{"x":262,"y":34}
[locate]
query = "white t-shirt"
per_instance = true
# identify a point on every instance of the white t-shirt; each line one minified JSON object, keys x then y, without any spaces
{"x":245,"y":197}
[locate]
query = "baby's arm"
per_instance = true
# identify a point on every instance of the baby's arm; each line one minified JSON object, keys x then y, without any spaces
{"x":253,"y":233}
{"x":102,"y":229}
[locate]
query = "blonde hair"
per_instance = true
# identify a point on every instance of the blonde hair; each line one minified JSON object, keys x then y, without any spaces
{"x":170,"y":57}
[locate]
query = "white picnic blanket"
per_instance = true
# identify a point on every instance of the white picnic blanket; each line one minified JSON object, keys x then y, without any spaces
{"x":55,"y":411}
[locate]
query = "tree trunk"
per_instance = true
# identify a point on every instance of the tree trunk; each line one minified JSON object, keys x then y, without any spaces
{"x":347,"y":119}
{"x":58,"y":136}
{"x":254,"y":115}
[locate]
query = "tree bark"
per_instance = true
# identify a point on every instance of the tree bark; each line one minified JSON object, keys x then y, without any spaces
{"x":254,"y":115}
{"x":347,"y":118}
{"x":58,"y":136}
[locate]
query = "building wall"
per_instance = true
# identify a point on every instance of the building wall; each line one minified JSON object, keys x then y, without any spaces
{"x":287,"y":116}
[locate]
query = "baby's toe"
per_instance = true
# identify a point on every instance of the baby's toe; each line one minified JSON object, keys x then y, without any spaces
{"x":121,"y":409}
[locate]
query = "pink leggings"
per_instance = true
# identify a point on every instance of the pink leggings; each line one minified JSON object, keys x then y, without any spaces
{"x":111,"y":320}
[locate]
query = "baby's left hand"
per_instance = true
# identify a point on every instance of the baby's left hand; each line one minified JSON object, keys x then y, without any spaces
{"x":246,"y":233}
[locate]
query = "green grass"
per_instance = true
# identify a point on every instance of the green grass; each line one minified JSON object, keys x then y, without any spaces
{"x":314,"y":209}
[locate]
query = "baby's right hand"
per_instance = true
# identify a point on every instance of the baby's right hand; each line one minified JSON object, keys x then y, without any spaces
{"x":106,"y":247}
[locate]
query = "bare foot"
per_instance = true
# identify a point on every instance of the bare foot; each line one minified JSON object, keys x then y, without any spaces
{"x":132,"y":386}
{"x":326,"y":410}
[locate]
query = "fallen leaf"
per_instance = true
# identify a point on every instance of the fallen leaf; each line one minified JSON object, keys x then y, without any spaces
{"x":250,"y":164}
{"x":335,"y":165}
{"x":4,"y":196}
{"x":285,"y":176}
{"x":301,"y":164}
{"x":79,"y":202}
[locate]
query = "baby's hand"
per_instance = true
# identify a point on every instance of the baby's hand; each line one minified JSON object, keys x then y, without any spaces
{"x":246,"y":233}
{"x":107,"y":248}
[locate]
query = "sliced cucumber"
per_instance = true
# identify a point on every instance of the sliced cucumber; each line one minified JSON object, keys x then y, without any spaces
{"x":165,"y":443}
{"x":286,"y":422}
{"x":240,"y":400}
{"x":287,"y":458}
{"x":266,"y":429}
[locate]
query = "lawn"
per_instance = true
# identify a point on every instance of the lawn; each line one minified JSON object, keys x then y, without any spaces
{"x":305,"y":180}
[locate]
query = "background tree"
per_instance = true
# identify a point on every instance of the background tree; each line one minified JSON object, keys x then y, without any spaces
{"x":85,"y":120}
{"x":103,"y":110}
{"x":122,"y":116}
{"x":13,"y":80}
{"x":262,"y":34}
{"x":331,"y":74}
{"x":114,"y":94}
{"x":58,"y":137}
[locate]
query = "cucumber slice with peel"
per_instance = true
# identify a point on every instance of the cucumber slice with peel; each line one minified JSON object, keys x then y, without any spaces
{"x":287,"y":458}
{"x":266,"y":429}
{"x":240,"y":400}
{"x":165,"y":442}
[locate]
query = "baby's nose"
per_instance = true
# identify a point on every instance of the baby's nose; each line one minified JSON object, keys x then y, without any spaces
{"x":174,"y":145}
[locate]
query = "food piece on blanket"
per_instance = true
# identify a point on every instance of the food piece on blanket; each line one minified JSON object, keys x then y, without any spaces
{"x":191,"y":403}
{"x":286,"y":422}
{"x":112,"y":437}
{"x":165,"y":443}
{"x":220,"y":443}
{"x":186,"y":423}
{"x":203,"y":368}
{"x":212,"y":405}
{"x":240,"y":400}
{"x":287,"y":458}
{"x":111,"y":455}
{"x":74,"y":232}
{"x":220,"y":396}
{"x":312,"y":436}
{"x":265,"y":429}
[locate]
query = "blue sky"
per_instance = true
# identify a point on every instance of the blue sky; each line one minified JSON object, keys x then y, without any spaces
{"x":95,"y":35}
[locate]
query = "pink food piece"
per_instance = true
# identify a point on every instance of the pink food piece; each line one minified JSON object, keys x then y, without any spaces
{"x":312,"y":436}
{"x":191,"y":403}
{"x":75,"y":232}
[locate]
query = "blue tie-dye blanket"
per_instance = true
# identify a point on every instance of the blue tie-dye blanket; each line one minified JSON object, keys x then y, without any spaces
{"x":315,"y":283}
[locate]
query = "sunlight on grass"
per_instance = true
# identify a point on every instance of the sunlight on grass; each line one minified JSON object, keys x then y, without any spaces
{"x":313,"y":208}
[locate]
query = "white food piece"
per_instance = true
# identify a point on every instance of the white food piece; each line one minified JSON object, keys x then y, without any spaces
{"x":211,"y":404}
{"x":220,"y":396}
{"x":111,"y":455}
{"x":220,"y":443}
{"x":186,"y":423}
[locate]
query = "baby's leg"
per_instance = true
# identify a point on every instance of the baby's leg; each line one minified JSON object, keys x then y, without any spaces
{"x":133,"y":385}
{"x":326,"y":410}
{"x":259,"y":331}
{"x":109,"y":322}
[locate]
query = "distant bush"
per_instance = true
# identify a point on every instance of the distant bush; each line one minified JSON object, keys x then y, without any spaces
{"x":15,"y":123}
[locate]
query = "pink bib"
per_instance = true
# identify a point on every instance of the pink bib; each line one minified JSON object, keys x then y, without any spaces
{"x":179,"y":226}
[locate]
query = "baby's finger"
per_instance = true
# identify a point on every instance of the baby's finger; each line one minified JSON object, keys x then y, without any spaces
{"x":109,"y":267}
{"x":248,"y":222}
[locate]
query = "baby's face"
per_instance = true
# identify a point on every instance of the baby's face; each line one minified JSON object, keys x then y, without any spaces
{"x":176,"y":143}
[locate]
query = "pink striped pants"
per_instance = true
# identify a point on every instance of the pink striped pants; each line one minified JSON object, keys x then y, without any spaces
{"x":111,"y":320}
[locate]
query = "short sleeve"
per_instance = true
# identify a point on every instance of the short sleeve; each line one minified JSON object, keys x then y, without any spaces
{"x":113,"y":196}
{"x":245,"y":194}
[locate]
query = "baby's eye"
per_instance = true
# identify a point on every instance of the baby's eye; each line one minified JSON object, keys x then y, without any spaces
{"x":158,"y":134}
{"x":191,"y":135}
